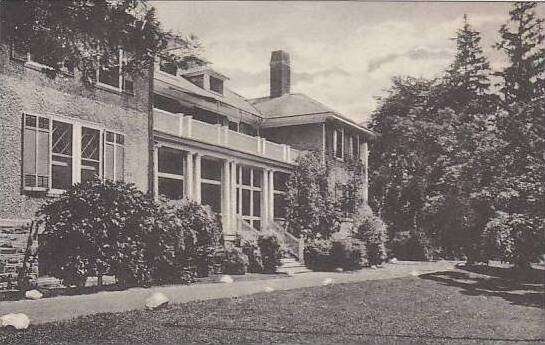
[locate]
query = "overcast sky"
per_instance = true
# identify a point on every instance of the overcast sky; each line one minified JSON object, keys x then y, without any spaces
{"x":343,"y":54}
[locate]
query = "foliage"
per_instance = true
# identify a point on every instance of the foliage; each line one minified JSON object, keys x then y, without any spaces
{"x":104,"y":227}
{"x":451,"y":155}
{"x":326,"y":255}
{"x":269,"y":247}
{"x":234,"y":261}
{"x":255,"y":261}
{"x":88,"y":34}
{"x":370,"y":229}
{"x":407,"y":245}
{"x":99,"y":228}
{"x":311,"y":208}
{"x":515,"y":238}
{"x":522,"y":41}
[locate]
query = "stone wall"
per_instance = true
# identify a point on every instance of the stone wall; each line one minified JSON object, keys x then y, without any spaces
{"x":13,"y":243}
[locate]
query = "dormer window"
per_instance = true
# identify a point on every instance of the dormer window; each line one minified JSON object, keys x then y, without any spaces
{"x":216,"y":85}
{"x":197,"y":80}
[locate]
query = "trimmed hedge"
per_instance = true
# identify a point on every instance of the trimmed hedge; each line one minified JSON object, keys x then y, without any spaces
{"x":326,"y":255}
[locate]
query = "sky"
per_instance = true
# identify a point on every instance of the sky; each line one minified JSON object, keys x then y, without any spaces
{"x":343,"y":54}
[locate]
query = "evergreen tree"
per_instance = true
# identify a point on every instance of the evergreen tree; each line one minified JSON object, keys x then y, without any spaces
{"x":522,"y":41}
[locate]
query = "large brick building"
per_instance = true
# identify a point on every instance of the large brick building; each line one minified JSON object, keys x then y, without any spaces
{"x":191,"y":136}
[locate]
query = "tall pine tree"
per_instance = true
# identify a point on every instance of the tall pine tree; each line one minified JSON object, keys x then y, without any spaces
{"x":522,"y":42}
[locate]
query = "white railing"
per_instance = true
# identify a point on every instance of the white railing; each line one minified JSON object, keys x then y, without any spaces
{"x":185,"y":126}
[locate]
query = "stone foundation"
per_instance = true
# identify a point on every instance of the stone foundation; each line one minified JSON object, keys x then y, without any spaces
{"x":13,"y":243}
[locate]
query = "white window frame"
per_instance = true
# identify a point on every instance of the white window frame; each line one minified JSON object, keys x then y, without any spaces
{"x":240,"y":187}
{"x":122,"y":58}
{"x":115,"y":146}
{"x":171,"y":176}
{"x":76,"y":149}
{"x":278,"y":192}
{"x":30,"y":63}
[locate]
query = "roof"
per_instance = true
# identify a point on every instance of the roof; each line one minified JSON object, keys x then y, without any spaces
{"x":298,"y":108}
{"x":229,"y":97}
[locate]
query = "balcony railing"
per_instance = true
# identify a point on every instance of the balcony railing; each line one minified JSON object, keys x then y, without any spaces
{"x":186,"y":127}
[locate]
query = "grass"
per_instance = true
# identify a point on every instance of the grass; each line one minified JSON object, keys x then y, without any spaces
{"x":451,"y":307}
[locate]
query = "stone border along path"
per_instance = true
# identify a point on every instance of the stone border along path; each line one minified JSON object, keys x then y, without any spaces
{"x":67,"y":307}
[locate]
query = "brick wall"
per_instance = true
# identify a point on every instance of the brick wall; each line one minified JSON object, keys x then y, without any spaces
{"x":24,"y":89}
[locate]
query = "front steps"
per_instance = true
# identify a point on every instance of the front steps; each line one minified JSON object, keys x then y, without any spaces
{"x":291,"y":266}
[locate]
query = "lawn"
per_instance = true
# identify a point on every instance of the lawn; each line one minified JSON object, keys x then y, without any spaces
{"x":451,"y":307}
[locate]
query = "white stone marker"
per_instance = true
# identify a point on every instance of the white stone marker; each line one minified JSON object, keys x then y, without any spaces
{"x":156,"y":300}
{"x":226,"y":279}
{"x":269,"y":289}
{"x":327,"y":281}
{"x":33,"y":294}
{"x":18,"y":321}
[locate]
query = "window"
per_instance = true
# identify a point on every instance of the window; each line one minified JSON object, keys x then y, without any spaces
{"x":20,"y":52}
{"x":338,"y":143}
{"x":90,"y":153}
{"x":211,"y":184}
{"x":36,"y":152}
{"x":49,"y":157}
{"x":216,"y":85}
{"x":280,"y":181}
{"x":61,"y":155}
{"x":249,"y":182}
{"x":356,"y":147}
{"x":247,"y":129}
{"x":114,"y":77}
{"x":168,"y":67}
{"x":233,"y":126}
{"x":171,"y":173}
{"x":114,"y":155}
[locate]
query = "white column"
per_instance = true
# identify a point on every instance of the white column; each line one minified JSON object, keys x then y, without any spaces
{"x":265,"y":216}
{"x":365,"y":158}
{"x":188,"y":175}
{"x":233,"y":194}
{"x":271,"y":195}
{"x":155,"y":171}
{"x":197,"y":178}
{"x":226,"y":199}
{"x":76,"y":154}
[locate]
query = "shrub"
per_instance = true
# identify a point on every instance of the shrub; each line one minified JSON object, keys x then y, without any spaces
{"x":411,"y":246}
{"x":372,"y":230}
{"x":515,"y":238}
{"x":234,"y":261}
{"x":316,"y":255}
{"x":324,"y":255}
{"x":349,"y":254}
{"x":269,"y":246}
{"x":255,"y":262}
{"x":99,"y":228}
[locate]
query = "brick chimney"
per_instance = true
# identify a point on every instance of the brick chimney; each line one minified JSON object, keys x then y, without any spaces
{"x":280,"y":73}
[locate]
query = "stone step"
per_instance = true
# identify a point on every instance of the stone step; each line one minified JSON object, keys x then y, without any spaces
{"x":293,"y":270}
{"x":292,"y":264}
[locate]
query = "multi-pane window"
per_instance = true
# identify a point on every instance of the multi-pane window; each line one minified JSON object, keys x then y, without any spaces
{"x":90,"y":153}
{"x":170,"y":173}
{"x":36,"y":152}
{"x":211,"y":183}
{"x":22,"y":53}
{"x":114,"y":76}
{"x":114,"y":156}
{"x":249,"y":195}
{"x":356,"y":147}
{"x":49,"y":157}
{"x":279,"y":194}
{"x":61,"y":155}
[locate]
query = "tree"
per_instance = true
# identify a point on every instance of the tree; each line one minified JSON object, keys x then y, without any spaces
{"x":311,"y":209}
{"x":522,"y":42}
{"x":88,"y":34}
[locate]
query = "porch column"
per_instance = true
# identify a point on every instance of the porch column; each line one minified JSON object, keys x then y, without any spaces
{"x":197,"y":178}
{"x":226,"y":199}
{"x":155,"y":171}
{"x":271,"y":195}
{"x":365,"y":159}
{"x":265,"y":198}
{"x":233,"y":194}
{"x":188,"y":183}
